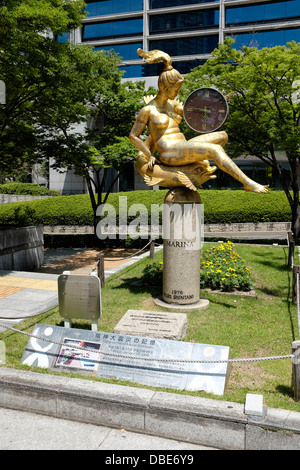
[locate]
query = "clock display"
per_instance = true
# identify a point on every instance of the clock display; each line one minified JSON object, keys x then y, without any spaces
{"x":205,"y":110}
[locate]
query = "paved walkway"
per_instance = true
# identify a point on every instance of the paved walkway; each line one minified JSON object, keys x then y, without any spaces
{"x":21,"y":430}
{"x":24,"y":294}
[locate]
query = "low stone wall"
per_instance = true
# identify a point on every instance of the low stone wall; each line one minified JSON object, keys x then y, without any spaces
{"x":21,"y":248}
{"x":9,"y":198}
{"x":249,"y":227}
{"x":198,"y":420}
{"x":209,"y":229}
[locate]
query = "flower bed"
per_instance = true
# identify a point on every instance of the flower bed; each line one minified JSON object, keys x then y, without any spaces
{"x":222,"y":268}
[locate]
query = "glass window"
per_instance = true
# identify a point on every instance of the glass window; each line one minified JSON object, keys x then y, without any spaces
{"x":126,"y":51}
{"x":64,"y":37}
{"x":200,"y":19}
{"x":186,"y":46}
{"x":108,"y":7}
{"x":263,"y":12}
{"x":261,"y":39}
{"x":183,"y":67}
{"x":132,"y":71}
{"x":152,"y":70}
{"x":112,"y":29}
{"x":175,"y":3}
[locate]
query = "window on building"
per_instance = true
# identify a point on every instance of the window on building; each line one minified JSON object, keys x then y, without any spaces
{"x":263,"y":13}
{"x":259,"y":39}
{"x":200,"y":19}
{"x":109,"y":7}
{"x":126,"y":51}
{"x":175,"y":3}
{"x":132,"y":71}
{"x":112,"y":29}
{"x":151,"y":70}
{"x":186,"y":46}
{"x":64,"y":37}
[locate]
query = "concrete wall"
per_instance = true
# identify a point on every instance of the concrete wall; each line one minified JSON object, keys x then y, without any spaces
{"x":66,"y":183}
{"x":21,"y":248}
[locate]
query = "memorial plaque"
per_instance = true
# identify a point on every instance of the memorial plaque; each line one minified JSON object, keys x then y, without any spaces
{"x":140,"y":359}
{"x":79,"y":296}
{"x":166,"y":325}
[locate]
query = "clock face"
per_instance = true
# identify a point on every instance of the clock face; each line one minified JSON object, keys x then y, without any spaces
{"x":205,"y":110}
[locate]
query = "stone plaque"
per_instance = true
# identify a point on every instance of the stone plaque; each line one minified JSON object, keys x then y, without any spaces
{"x":79,"y":296}
{"x":167,"y":325}
{"x":139,"y":359}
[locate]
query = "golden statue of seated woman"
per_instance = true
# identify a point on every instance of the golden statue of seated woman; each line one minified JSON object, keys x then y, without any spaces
{"x":180,"y":162}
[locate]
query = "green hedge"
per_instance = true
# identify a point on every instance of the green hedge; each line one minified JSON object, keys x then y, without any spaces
{"x":26,"y":189}
{"x":219,"y":207}
{"x":59,"y":210}
{"x":223,"y":206}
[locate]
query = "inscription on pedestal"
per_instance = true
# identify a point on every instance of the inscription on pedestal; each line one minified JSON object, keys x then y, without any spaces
{"x":156,"y":324}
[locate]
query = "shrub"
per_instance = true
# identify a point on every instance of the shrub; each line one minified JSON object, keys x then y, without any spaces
{"x":152,"y":274}
{"x":26,"y":189}
{"x":219,"y":207}
{"x":60,"y":210}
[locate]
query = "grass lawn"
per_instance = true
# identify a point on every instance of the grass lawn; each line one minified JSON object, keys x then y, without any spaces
{"x":251,"y":327}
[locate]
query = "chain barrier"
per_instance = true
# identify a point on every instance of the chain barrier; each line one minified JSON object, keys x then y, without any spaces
{"x":253,"y":359}
{"x":130,"y":256}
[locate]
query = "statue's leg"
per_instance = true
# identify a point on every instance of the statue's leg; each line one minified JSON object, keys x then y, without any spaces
{"x":195,"y":150}
{"x":220,"y":138}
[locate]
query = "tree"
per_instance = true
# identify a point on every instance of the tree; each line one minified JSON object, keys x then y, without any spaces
{"x":54,"y":89}
{"x":103,"y":144}
{"x":31,"y":61}
{"x":264,"y":114}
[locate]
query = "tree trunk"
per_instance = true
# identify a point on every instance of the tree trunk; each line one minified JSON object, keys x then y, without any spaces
{"x":296,"y":220}
{"x":295,"y":189}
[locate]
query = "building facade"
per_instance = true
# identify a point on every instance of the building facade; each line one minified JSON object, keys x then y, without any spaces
{"x":188,"y":30}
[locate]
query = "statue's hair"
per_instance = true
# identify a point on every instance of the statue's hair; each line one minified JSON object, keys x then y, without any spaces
{"x":169,"y":75}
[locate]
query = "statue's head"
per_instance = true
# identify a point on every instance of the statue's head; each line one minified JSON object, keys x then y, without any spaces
{"x":169,"y":76}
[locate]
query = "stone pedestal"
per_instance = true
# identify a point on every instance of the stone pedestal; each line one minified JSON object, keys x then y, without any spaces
{"x":182,"y":243}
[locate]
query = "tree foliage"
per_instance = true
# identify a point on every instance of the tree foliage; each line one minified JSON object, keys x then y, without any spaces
{"x":264,"y":116}
{"x":54,"y":88}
